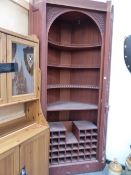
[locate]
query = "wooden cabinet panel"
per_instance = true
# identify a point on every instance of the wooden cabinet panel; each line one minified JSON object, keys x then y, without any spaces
{"x":2,"y":60}
{"x":24,"y":132}
{"x":18,"y":77}
{"x":22,"y":84}
{"x":9,"y":162}
{"x":34,"y":155}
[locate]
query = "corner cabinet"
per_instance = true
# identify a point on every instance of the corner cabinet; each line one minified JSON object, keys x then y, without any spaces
{"x":75,"y":40}
{"x":24,"y":132}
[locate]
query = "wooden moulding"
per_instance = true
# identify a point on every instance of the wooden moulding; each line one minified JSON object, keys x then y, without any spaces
{"x":77,"y":167}
{"x":15,"y":138}
{"x":32,"y":37}
{"x":85,"y":4}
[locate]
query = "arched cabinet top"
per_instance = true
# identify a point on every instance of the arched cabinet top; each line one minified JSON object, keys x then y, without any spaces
{"x":54,"y":12}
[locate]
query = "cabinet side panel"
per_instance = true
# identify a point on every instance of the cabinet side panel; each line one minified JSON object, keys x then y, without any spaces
{"x":37,"y":25}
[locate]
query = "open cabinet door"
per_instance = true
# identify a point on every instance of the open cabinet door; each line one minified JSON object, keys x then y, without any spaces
{"x":2,"y":75}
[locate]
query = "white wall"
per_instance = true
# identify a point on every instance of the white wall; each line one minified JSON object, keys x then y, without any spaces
{"x":15,"y":18}
{"x":119,"y":119}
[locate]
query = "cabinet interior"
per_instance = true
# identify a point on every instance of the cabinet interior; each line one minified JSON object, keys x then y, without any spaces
{"x":73,"y":88}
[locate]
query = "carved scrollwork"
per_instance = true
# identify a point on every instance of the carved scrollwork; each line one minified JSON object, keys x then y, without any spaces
{"x":54,"y":11}
{"x":99,"y":19}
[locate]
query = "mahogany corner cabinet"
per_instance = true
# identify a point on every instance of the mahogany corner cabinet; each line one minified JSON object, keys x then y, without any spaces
{"x":75,"y":45}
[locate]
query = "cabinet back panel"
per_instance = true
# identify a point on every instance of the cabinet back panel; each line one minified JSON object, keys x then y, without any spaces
{"x":86,"y":33}
{"x":54,"y":32}
{"x":86,"y":57}
{"x":79,"y":29}
{"x":53,"y":76}
{"x":73,"y":76}
{"x":72,"y":116}
{"x":64,"y":95}
{"x":84,"y":115}
{"x":53,"y":116}
{"x":53,"y":56}
{"x":65,"y":58}
{"x":89,"y":57}
{"x":89,"y":76}
{"x":53,"y":95}
{"x":64,"y":116}
{"x":84,"y":95}
{"x":65,"y":33}
{"x":64,"y":76}
{"x":77,"y":95}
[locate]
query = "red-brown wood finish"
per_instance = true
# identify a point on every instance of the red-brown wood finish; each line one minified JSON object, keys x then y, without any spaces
{"x":75,"y":46}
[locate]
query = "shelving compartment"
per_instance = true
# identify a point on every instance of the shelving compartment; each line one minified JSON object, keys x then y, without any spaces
{"x":73,"y":86}
{"x":79,"y":58}
{"x":90,"y":115}
{"x":66,"y":88}
{"x":89,"y":77}
{"x":72,"y":141}
{"x":72,"y":99}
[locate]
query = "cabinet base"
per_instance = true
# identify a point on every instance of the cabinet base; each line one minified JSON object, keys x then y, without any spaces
{"x":75,"y":168}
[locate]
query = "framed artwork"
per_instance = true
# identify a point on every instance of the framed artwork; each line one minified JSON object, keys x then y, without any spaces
{"x":2,"y":75}
{"x":22,"y":83}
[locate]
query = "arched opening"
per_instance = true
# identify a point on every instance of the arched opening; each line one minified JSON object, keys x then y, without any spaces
{"x":81,"y":28}
{"x":73,"y":81}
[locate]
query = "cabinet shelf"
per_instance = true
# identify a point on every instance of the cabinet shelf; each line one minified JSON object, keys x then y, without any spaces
{"x":60,"y":45}
{"x":74,"y":66}
{"x":66,"y":106}
{"x":55,"y":86}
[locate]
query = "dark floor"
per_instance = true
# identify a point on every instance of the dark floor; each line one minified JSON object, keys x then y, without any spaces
{"x":104,"y":172}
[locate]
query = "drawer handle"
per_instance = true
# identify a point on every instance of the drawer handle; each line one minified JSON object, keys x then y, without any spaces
{"x":23,"y":171}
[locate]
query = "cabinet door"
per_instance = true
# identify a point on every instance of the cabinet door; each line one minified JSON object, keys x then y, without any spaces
{"x":9,"y":162}
{"x":34,"y":154}
{"x":2,"y":75}
{"x":22,"y":84}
